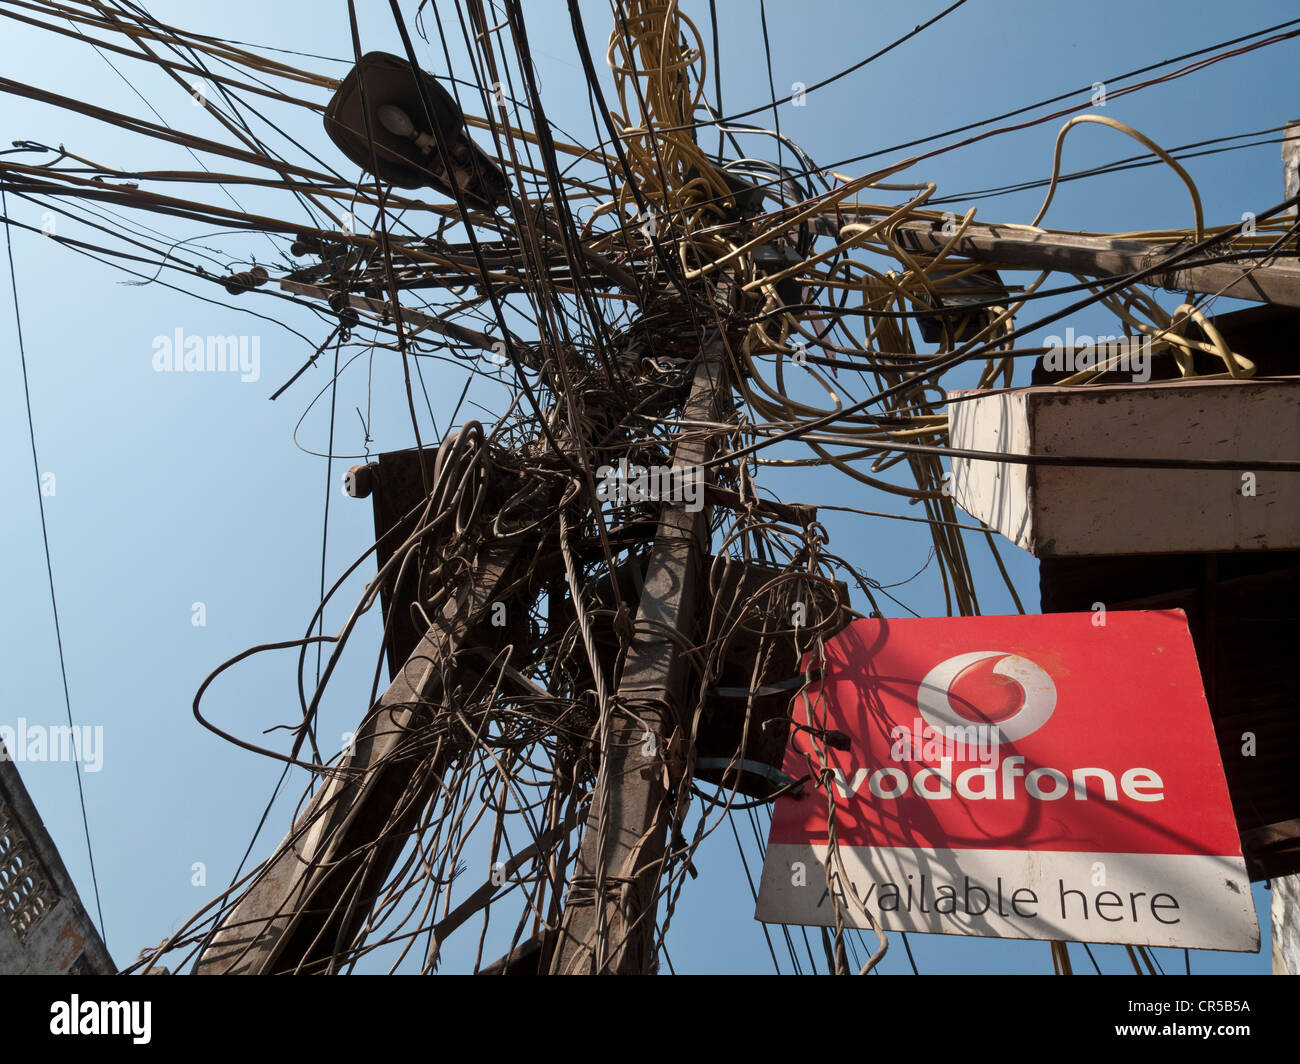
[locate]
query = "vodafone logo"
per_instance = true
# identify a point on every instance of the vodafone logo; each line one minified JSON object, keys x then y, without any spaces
{"x":970,"y":703}
{"x":1035,"y":732}
{"x":993,"y":687}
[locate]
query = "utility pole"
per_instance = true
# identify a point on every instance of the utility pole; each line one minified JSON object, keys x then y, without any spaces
{"x":609,"y":919}
{"x":309,"y":897}
{"x":312,"y":897}
{"x":314,"y":893}
{"x":1020,"y":248}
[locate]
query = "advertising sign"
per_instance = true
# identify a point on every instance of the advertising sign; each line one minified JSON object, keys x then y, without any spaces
{"x":1052,"y":776}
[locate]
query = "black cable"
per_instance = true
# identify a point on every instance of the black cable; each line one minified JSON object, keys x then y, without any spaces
{"x":329,"y":482}
{"x":908,"y":946}
{"x":458,"y":195}
{"x":753,"y":892}
{"x":851,"y":160}
{"x":834,"y":77}
{"x":163,"y":121}
{"x":717,"y":70}
{"x":771,"y":84}
{"x":1065,"y":95}
{"x":258,"y":830}
{"x":974,"y":349}
{"x":49,"y":563}
{"x":1132,"y":162}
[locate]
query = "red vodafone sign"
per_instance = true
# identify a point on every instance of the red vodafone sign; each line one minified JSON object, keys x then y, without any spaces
{"x":1047,"y":776}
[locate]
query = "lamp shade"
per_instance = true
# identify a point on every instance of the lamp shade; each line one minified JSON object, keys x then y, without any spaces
{"x":381,"y":80}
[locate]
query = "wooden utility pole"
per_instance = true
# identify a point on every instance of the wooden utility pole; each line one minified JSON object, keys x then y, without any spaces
{"x":1094,"y":256}
{"x":609,"y":919}
{"x":311,"y":899}
{"x":308,"y":902}
{"x":313,"y":894}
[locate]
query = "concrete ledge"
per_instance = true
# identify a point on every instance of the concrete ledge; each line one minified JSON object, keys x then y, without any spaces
{"x":1094,"y":510}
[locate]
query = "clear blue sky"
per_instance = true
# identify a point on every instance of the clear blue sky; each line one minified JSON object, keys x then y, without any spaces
{"x":173,"y":489}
